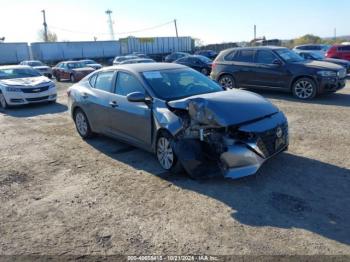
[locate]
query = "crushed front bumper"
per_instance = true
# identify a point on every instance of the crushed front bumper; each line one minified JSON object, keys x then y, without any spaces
{"x":235,"y":157}
{"x":240,"y":161}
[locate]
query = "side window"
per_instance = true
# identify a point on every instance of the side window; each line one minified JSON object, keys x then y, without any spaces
{"x":104,"y":81}
{"x":245,"y":56}
{"x":265,"y":57}
{"x":92,"y":80}
{"x":127,"y":84}
{"x":344,"y":48}
{"x":230,"y":56}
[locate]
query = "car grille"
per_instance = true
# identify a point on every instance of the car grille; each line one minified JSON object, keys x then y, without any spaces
{"x":266,"y":141}
{"x":342,"y":73}
{"x":35,"y":89}
{"x":37,"y":99}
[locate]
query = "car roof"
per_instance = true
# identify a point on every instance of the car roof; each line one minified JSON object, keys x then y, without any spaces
{"x":14,"y":66}
{"x":312,"y":45}
{"x":268,"y":47}
{"x":139,"y":68}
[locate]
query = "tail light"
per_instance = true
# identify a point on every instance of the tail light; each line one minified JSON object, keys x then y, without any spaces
{"x":213,"y":66}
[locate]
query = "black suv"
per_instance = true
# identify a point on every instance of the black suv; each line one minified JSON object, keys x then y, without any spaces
{"x":276,"y":68}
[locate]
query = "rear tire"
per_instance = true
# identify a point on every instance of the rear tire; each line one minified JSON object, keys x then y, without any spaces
{"x":165,"y":153}
{"x":227,"y":82}
{"x":3,"y":102}
{"x":304,"y":88}
{"x":82,"y":124}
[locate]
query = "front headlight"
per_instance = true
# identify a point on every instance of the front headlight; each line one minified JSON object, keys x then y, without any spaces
{"x":13,"y":89}
{"x":327,"y":73}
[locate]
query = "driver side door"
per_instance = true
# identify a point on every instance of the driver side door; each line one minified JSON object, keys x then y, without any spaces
{"x":130,"y":121}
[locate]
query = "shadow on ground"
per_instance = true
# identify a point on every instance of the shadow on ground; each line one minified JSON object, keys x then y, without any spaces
{"x":288,"y":192}
{"x":35,"y":110}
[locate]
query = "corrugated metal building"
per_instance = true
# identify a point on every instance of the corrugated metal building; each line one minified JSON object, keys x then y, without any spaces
{"x":13,"y":53}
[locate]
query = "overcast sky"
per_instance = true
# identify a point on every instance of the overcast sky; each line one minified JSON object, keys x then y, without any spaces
{"x":213,"y":21}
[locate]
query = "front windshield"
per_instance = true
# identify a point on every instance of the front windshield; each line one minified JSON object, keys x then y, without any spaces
{"x":75,"y":65}
{"x":289,"y":56}
{"x":179,"y":83}
{"x":317,"y":56}
{"x":35,"y":63}
{"x":18,"y":73}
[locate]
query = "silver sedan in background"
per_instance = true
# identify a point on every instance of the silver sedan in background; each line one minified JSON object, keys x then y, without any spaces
{"x":185,"y":118}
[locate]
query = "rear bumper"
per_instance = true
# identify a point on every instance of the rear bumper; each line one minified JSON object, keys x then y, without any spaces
{"x":331,"y":84}
{"x":20,"y":98}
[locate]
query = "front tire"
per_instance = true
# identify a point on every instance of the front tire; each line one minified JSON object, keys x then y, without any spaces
{"x":3,"y":102}
{"x":227,"y":82}
{"x":58,"y":79}
{"x":165,"y":153}
{"x":82,"y":124}
{"x":72,"y":78}
{"x":304,"y":88}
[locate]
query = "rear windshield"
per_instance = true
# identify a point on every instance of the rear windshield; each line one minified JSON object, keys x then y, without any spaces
{"x":35,"y":63}
{"x":18,"y":73}
{"x":75,"y":65}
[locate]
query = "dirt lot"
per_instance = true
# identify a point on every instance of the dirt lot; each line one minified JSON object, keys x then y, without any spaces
{"x":62,"y":195}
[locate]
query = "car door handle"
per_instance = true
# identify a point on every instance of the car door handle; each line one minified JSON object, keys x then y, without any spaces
{"x":113,"y":104}
{"x":85,"y":95}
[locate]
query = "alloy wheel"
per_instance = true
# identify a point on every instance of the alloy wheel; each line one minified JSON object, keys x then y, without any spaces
{"x":165,"y":153}
{"x":227,"y":82}
{"x":304,"y":89}
{"x":81,"y":123}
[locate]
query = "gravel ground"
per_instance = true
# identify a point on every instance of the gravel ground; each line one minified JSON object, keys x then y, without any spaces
{"x":61,"y":195}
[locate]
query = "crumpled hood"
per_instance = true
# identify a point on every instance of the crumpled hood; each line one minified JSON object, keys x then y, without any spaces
{"x":321,"y":65}
{"x":84,"y":69}
{"x":226,"y":108}
{"x":28,"y":81}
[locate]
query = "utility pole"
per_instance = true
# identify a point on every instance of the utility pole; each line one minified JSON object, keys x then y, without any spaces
{"x":335,"y":33}
{"x":177,"y":35}
{"x":110,"y":23}
{"x":45,"y":26}
{"x":254,"y":32}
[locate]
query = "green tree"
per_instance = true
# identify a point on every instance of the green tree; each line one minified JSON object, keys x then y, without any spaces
{"x":51,"y":36}
{"x":308,"y":39}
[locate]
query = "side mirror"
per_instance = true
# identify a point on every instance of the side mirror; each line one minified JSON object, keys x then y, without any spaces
{"x":136,"y":97}
{"x":277,"y":62}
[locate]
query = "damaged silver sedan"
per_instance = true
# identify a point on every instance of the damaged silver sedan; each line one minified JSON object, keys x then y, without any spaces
{"x":189,"y":121}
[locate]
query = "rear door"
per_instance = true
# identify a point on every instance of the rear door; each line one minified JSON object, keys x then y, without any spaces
{"x":97,"y":99}
{"x":344,"y":52}
{"x":130,"y":121}
{"x":268,"y":74}
{"x":243,"y":67}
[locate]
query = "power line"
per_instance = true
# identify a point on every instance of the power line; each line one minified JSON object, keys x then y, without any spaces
{"x":119,"y":33}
